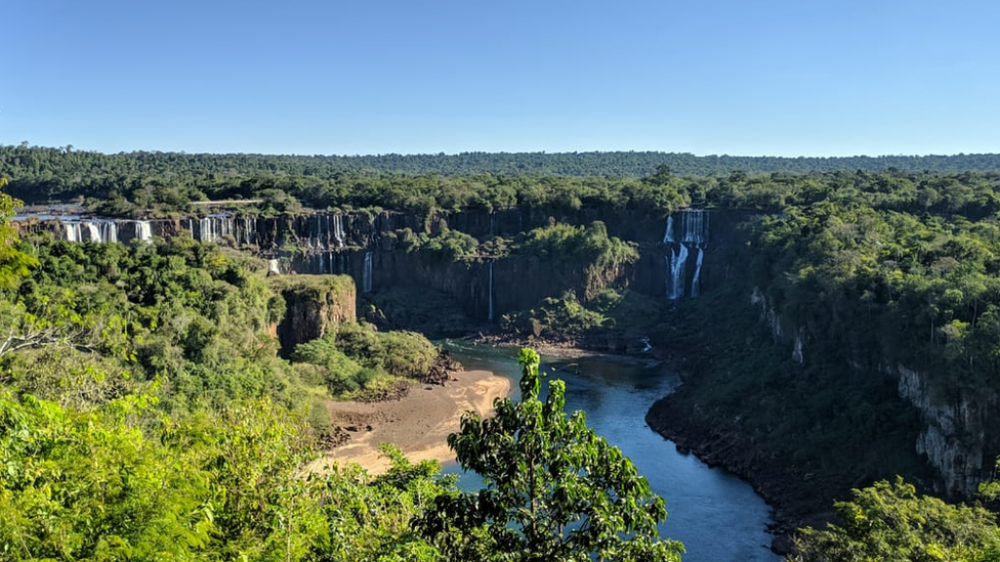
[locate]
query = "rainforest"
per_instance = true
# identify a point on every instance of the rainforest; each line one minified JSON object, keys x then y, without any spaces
{"x":191,"y":343}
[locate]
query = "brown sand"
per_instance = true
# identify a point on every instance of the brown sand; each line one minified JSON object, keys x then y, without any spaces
{"x":418,"y":424}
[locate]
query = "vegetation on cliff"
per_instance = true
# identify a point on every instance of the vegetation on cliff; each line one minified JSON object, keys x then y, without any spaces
{"x":145,"y":414}
{"x":889,"y":522}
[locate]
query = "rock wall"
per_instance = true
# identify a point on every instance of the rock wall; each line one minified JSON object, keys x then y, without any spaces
{"x":961,"y":432}
{"x":315,"y":305}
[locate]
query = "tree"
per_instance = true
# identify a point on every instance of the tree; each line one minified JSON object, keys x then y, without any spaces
{"x":890,"y":523}
{"x":14,"y":264}
{"x":554,"y":489}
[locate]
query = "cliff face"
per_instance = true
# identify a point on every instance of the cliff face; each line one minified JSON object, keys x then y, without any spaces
{"x":314,"y":306}
{"x":961,"y":433}
{"x":693,"y":251}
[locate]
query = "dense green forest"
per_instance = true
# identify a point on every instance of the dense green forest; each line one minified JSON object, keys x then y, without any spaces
{"x":149,"y":180}
{"x":119,"y":357}
{"x":66,"y":161}
{"x":145,"y":414}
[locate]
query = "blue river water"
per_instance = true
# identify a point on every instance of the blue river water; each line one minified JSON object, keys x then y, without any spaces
{"x":717,"y":516}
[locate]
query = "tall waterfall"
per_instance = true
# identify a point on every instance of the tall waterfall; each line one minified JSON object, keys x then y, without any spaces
{"x":693,"y":234}
{"x":490,"y":317}
{"x":678,"y":258}
{"x":668,"y":236}
{"x":144,"y":231}
{"x":109,"y":231}
{"x":338,"y":230}
{"x":73,"y":232}
{"x":366,"y":274}
{"x":696,"y":281}
{"x":93,"y":233}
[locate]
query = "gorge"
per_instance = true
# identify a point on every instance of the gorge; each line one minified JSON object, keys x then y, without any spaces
{"x":689,"y":259}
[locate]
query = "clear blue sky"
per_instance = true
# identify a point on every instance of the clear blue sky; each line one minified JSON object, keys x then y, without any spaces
{"x":746,"y":77}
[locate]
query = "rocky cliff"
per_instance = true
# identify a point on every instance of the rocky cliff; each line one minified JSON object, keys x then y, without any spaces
{"x":314,"y":306}
{"x":960,"y":435}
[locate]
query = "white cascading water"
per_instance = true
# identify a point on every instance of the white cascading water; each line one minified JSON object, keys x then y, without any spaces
{"x":490,"y":317}
{"x":98,"y":231}
{"x":274,"y":267}
{"x":144,"y":231}
{"x":493,"y":223}
{"x":678,"y":258}
{"x":109,"y":231}
{"x":696,"y":280}
{"x":693,"y":235}
{"x":313,"y":239}
{"x":207,"y":227}
{"x":366,"y":274}
{"x":73,"y":232}
{"x":249,"y":231}
{"x":338,"y":230}
{"x":93,"y":233}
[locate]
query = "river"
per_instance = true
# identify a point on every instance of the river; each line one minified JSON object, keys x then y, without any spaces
{"x":716,"y":515}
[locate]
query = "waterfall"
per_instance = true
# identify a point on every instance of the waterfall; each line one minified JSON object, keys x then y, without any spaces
{"x":314,"y":233}
{"x":274,"y":266}
{"x":695,"y":227}
{"x":668,"y":236}
{"x":205,"y":233}
{"x":93,"y":233}
{"x":366,"y":274}
{"x":73,"y":232}
{"x":696,"y":280}
{"x":249,"y":234}
{"x":490,"y":317}
{"x":109,"y":231}
{"x":338,"y":230}
{"x":374,"y":239}
{"x":693,"y":234}
{"x":493,"y":224}
{"x":678,"y":259}
{"x":144,"y":231}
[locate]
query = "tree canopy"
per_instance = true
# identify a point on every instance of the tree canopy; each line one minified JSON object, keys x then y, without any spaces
{"x":554,"y":489}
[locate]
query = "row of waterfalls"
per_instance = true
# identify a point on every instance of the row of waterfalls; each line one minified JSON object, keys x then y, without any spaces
{"x":105,"y":231}
{"x":316,"y":232}
{"x":686,"y":233}
{"x":363,"y":246}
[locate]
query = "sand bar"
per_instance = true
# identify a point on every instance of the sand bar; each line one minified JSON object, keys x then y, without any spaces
{"x":418,"y":424}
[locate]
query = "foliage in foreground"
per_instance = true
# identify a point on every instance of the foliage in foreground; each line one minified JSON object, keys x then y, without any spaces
{"x":554,"y":489}
{"x":890,"y":523}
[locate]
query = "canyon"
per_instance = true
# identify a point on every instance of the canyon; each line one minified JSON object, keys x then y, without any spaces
{"x":682,"y":256}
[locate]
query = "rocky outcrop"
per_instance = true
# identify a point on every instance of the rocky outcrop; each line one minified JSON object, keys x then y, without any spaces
{"x":779,"y":326}
{"x":314,"y":306}
{"x":960,"y":435}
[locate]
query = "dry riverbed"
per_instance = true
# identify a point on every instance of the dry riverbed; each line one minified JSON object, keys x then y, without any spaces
{"x":418,"y":423}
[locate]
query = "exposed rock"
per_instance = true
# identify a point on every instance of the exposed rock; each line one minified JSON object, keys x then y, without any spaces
{"x":956,"y":434}
{"x":314,"y":306}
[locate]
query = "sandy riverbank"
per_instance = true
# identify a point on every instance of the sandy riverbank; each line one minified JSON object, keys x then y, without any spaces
{"x":418,"y":424}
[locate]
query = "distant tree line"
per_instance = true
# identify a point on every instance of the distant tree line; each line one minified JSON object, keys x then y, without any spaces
{"x":40,"y":173}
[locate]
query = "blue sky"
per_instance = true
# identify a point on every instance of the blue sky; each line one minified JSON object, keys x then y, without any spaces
{"x":741,"y":77}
